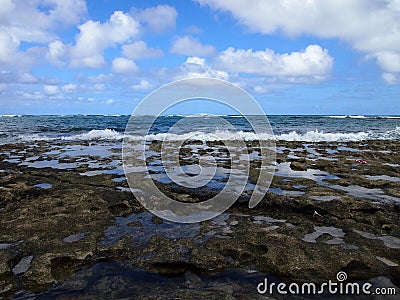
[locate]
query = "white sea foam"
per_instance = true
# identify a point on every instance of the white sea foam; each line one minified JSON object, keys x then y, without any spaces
{"x":362,"y":117}
{"x":200,"y":115}
{"x":389,"y":117}
{"x":357,"y":117}
{"x":104,"y":134}
{"x":337,"y":117}
{"x":32,"y":137}
{"x":310,"y":136}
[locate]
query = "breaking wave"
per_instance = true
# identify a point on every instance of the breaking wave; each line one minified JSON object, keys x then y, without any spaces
{"x":310,"y":136}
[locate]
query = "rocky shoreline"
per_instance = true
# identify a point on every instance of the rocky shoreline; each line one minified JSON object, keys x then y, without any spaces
{"x":331,"y":207}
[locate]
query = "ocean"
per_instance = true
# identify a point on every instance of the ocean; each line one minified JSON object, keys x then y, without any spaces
{"x":22,"y":128}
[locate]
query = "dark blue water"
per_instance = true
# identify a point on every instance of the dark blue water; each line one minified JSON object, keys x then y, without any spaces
{"x":308,"y":128}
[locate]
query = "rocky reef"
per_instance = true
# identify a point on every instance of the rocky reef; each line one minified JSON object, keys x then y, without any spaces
{"x":70,"y":227}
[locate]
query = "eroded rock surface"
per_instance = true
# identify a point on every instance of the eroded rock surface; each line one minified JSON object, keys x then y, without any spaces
{"x":64,"y":217}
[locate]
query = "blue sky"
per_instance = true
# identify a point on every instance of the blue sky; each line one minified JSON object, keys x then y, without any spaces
{"x":293,"y":56}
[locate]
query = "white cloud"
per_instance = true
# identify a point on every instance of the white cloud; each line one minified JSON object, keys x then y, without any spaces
{"x":8,"y":47}
{"x":142,"y":85}
{"x":69,"y":88}
{"x":34,"y":21}
{"x":17,"y":77}
{"x":260,"y":89}
{"x":196,"y":61}
{"x":99,"y":87}
{"x":3,"y":87}
{"x":188,"y":45}
{"x":66,"y":11}
{"x":31,"y":95}
{"x":159,"y":19}
{"x":197,"y":67}
{"x":389,"y":61}
{"x":391,"y":78}
{"x":50,"y":89}
{"x":26,"y":78}
{"x":6,"y":8}
{"x":369,"y":26}
{"x":110,"y":101}
{"x":95,"y":37}
{"x":56,"y":53}
{"x":139,"y":49}
{"x":123,"y":65}
{"x":193,"y":30}
{"x":101,"y":78}
{"x":313,"y":62}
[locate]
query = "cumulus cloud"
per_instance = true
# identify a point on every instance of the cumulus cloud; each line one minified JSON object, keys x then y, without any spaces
{"x":369,"y":26}
{"x":101,"y":78}
{"x":95,"y":37}
{"x":32,"y":21}
{"x":139,"y":50}
{"x":188,"y":45}
{"x":391,"y":78}
{"x":159,"y":19}
{"x":69,"y":88}
{"x":193,"y":29}
{"x":50,"y":89}
{"x":28,"y":95}
{"x":56,"y":53}
{"x":389,"y":61}
{"x":121,"y":65}
{"x":98,"y":87}
{"x":197,"y":67}
{"x":142,"y":85}
{"x":12,"y":78}
{"x":312,"y":62}
{"x":26,"y":77}
{"x":8,"y":47}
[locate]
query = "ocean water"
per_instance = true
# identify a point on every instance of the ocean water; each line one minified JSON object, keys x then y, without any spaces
{"x":21,"y":128}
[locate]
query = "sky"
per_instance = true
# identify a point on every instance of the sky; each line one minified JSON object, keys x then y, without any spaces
{"x":332,"y":57}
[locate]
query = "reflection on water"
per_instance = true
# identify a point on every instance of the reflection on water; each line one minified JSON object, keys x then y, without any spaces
{"x":118,"y":280}
{"x":141,"y":227}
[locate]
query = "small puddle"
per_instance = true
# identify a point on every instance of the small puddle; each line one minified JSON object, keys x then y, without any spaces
{"x":141,"y":227}
{"x":23,"y":265}
{"x":110,"y":280}
{"x":74,"y":237}
{"x":324,"y":198}
{"x":5,"y":246}
{"x":284,"y":170}
{"x":388,"y":240}
{"x":387,"y":262}
{"x":383,"y":177}
{"x":336,"y":233}
{"x":279,"y":191}
{"x":44,"y":185}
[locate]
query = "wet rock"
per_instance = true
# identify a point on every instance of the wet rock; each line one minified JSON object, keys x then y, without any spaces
{"x":268,"y":238}
{"x":208,"y":260}
{"x":192,"y":279}
{"x":298,"y":166}
{"x":23,"y":265}
{"x":40,"y":272}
